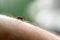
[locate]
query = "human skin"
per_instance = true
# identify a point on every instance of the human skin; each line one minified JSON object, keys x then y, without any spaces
{"x":14,"y":29}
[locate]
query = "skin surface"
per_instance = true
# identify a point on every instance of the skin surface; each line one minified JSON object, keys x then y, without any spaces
{"x":14,"y":29}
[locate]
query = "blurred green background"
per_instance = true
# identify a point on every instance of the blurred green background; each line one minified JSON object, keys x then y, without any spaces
{"x":15,"y":8}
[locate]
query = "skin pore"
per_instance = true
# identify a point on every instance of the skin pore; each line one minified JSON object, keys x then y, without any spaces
{"x":14,"y":29}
